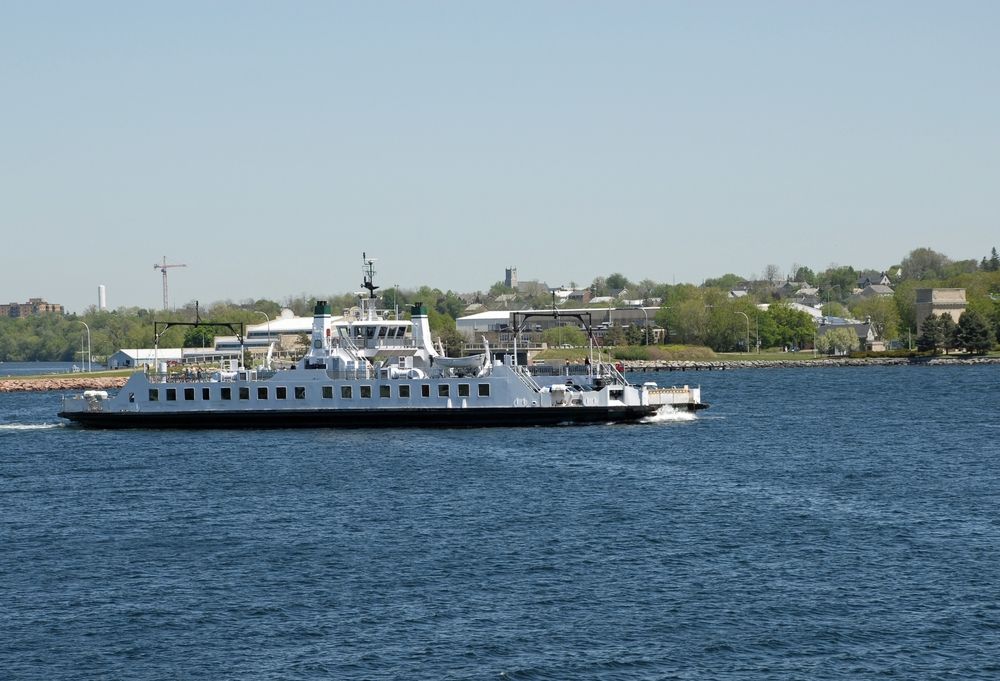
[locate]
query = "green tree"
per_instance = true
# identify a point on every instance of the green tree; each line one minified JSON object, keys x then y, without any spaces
{"x":727,"y":282}
{"x":949,"y":331}
{"x":199,"y":337}
{"x":837,"y":283}
{"x":931,"y":338}
{"x":974,"y":333}
{"x":924,"y":263}
{"x":834,"y":309}
{"x":617,"y":281}
{"x":453,"y":341}
{"x":837,"y":340}
{"x":805,"y":274}
{"x":786,"y":326}
{"x":881,"y":313}
{"x":614,"y":336}
{"x":564,"y":335}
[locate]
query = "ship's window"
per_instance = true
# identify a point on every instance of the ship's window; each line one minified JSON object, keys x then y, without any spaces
{"x":171,"y":394}
{"x":318,"y":343}
{"x":300,"y":392}
{"x":154,"y":395}
{"x":280,"y":392}
{"x":225,"y":393}
{"x":443,"y":390}
{"x":463,"y":389}
{"x":345,"y":392}
{"x":425,"y":390}
{"x":245,"y":393}
{"x":327,"y":392}
{"x":261,"y":393}
{"x":366,"y":392}
{"x":484,"y":389}
{"x":404,"y":391}
{"x":188,"y":394}
{"x":384,"y":390}
{"x":206,"y":394}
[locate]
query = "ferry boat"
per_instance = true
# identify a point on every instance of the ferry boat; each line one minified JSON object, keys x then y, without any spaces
{"x":371,"y":369}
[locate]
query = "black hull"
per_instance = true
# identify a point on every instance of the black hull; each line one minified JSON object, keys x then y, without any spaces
{"x":382,"y":418}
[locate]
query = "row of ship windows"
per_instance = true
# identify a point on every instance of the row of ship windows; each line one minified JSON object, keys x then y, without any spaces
{"x":299,"y":392}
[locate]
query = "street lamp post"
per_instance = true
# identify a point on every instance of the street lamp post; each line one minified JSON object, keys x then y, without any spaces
{"x":90,"y":363}
{"x":746,"y":317}
{"x":646,"y":316}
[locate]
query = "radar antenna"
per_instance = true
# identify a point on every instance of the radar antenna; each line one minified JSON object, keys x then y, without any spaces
{"x":368,"y":270}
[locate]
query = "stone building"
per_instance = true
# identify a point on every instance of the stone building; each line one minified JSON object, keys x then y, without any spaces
{"x":33,"y":308}
{"x":938,"y":301}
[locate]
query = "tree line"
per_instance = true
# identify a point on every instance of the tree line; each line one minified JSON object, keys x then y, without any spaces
{"x":689,"y":314}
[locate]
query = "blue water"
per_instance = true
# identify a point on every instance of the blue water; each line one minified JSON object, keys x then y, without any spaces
{"x":814,"y":524}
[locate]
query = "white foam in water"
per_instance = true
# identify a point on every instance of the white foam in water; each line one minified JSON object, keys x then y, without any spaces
{"x":30,"y":426}
{"x":667,"y":414}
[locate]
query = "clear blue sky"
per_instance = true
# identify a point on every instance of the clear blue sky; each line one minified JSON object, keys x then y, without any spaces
{"x":267,"y":144}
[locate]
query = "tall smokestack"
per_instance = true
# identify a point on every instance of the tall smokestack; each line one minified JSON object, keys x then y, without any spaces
{"x":102,"y":297}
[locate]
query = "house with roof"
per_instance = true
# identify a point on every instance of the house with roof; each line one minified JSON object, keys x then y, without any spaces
{"x":867,"y":340}
{"x":876,"y":291}
{"x":807,"y":295}
{"x":871,"y":277}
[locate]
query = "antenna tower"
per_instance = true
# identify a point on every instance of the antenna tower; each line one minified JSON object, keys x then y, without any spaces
{"x":369,"y":273}
{"x":163,"y":268}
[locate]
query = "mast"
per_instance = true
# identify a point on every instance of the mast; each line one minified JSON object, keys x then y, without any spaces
{"x":368,"y":270}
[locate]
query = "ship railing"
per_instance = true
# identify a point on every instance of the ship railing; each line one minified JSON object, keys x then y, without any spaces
{"x":610,"y":371}
{"x":525,"y":376}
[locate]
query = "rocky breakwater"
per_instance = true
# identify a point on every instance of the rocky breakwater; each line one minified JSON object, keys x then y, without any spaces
{"x":804,"y":363}
{"x":73,"y":383}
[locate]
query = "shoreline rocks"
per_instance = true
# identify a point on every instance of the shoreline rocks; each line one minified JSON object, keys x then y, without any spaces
{"x":720,"y":365}
{"x":73,"y":383}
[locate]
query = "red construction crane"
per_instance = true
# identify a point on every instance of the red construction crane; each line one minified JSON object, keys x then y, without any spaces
{"x":163,"y":268}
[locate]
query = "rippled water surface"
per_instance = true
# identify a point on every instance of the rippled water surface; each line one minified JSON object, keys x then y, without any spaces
{"x":813,"y":524}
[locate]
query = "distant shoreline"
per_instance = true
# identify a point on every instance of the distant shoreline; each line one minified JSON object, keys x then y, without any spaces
{"x":77,"y":382}
{"x":721,"y":365}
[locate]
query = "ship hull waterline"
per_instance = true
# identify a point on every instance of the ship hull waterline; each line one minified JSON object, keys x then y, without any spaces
{"x":482,"y":417}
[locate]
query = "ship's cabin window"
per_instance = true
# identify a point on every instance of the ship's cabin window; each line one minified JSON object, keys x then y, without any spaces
{"x":384,"y":390}
{"x":404,"y":390}
{"x":189,"y":394}
{"x":484,"y":389}
{"x":463,"y":389}
{"x":382,"y":331}
{"x":425,"y":390}
{"x":366,"y":392}
{"x":327,"y":392}
{"x":225,"y":393}
{"x":280,"y":392}
{"x":171,"y":394}
{"x":443,"y":390}
{"x":154,"y":395}
{"x":206,"y":394}
{"x":262,"y":393}
{"x":245,"y":393}
{"x":318,"y":343}
{"x":300,"y":392}
{"x":345,"y":392}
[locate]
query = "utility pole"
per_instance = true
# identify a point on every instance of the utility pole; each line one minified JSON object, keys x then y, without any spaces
{"x":163,"y":268}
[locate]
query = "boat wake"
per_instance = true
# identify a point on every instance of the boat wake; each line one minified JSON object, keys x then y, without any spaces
{"x":29,"y":426}
{"x":667,"y":414}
